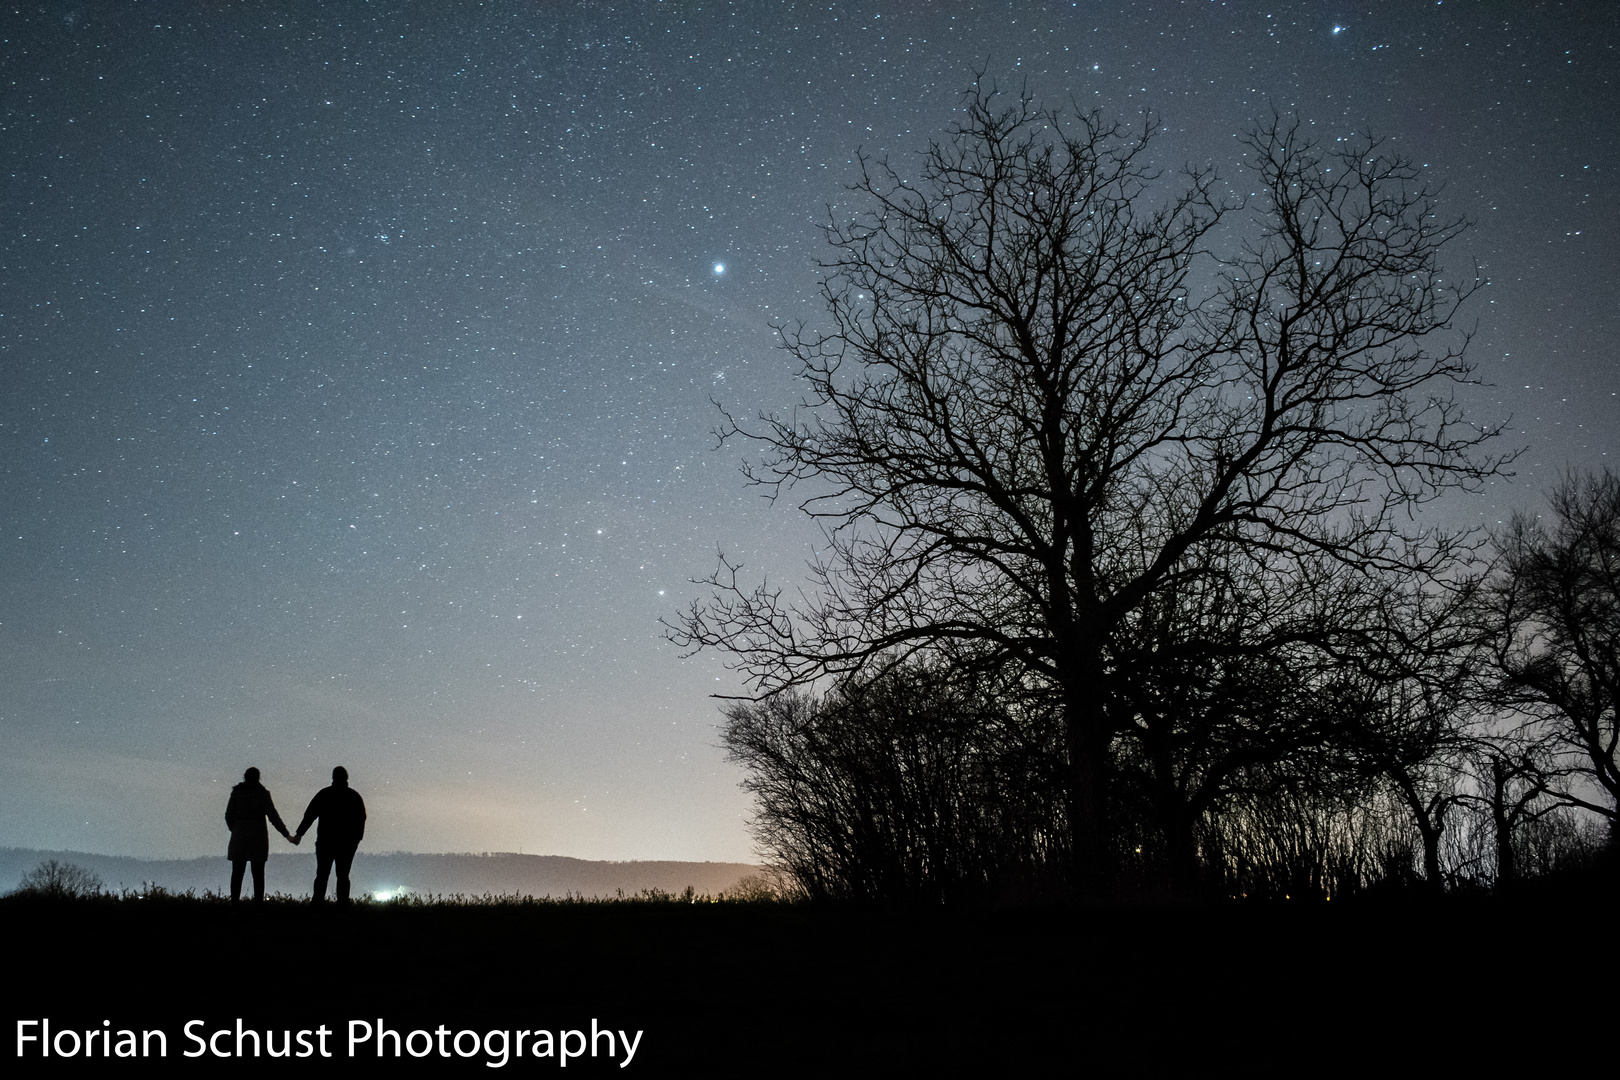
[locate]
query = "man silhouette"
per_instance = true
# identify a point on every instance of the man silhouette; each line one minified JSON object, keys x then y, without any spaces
{"x":342,"y":816}
{"x":245,"y":814}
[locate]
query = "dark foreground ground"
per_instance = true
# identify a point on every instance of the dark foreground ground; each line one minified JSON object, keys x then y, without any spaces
{"x":771,"y":990}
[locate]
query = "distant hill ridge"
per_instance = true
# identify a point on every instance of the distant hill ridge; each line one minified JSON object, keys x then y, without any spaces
{"x":499,"y":873}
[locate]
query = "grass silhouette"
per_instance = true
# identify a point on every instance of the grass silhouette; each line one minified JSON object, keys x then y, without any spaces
{"x":736,"y":984}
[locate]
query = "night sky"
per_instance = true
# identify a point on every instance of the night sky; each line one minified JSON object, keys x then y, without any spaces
{"x":356,"y":364}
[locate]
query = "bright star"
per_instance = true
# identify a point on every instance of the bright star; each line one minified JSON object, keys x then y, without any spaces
{"x":719,"y":268}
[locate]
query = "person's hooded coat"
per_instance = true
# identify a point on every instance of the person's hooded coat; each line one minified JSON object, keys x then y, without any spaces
{"x":245,"y":814}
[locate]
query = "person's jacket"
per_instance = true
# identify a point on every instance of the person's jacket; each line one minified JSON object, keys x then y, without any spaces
{"x":245,"y":815}
{"x":342,"y":816}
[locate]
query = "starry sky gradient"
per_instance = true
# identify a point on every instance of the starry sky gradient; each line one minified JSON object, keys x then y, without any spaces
{"x":356,"y":363}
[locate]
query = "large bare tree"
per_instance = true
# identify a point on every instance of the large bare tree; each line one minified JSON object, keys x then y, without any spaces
{"x":1041,"y":396}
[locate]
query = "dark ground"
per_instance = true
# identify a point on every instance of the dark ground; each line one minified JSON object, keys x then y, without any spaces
{"x":766,"y":990}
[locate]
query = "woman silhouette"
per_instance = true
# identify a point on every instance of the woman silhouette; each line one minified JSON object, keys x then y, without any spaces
{"x":245,"y":815}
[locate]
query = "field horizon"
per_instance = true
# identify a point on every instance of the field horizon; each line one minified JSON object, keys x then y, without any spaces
{"x":397,"y":873}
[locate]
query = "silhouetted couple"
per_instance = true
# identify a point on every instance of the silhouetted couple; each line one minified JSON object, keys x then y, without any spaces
{"x":339,"y":810}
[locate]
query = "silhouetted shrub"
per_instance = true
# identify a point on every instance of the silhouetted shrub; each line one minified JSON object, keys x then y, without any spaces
{"x":754,"y":889}
{"x":1291,"y":840}
{"x":60,"y":881}
{"x":909,"y":786}
{"x":1561,"y":842}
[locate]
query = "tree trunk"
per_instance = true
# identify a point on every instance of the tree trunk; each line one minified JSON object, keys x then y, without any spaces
{"x":1507,"y":865}
{"x":1086,"y":729}
{"x":1431,"y":856}
{"x":1175,"y":817}
{"x":1182,"y":852}
{"x":1430,"y":822}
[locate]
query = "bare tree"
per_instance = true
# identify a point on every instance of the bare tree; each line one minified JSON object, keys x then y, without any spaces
{"x":1511,"y":786}
{"x":1413,"y":719}
{"x":1041,"y":397}
{"x":1225,"y":680}
{"x":60,"y":881}
{"x":1411,"y":736}
{"x":1557,"y":608}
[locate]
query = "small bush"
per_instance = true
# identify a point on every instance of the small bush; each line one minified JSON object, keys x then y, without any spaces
{"x":60,"y":881}
{"x":753,"y":889}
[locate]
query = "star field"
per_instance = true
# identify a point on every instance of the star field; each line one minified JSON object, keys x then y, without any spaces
{"x":359,"y":362}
